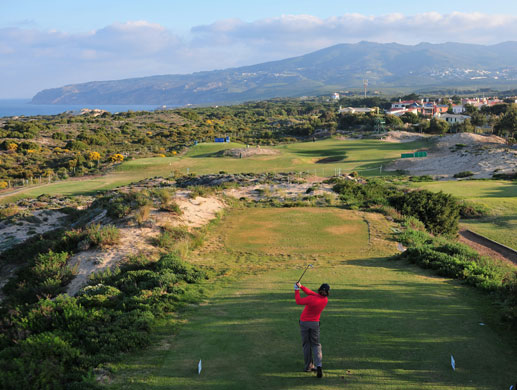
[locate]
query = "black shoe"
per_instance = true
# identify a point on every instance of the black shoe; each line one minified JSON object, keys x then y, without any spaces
{"x":320,"y":372}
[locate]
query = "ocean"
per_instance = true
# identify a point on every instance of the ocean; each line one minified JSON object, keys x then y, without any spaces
{"x":19,"y":107}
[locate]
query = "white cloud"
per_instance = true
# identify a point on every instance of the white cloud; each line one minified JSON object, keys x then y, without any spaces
{"x":32,"y":59}
{"x":431,"y":27}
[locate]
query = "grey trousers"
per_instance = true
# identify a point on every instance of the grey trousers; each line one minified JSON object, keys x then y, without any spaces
{"x":310,"y":332}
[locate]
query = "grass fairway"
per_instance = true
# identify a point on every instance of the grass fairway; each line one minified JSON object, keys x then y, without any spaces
{"x":498,"y":195}
{"x":294,"y":233}
{"x":388,"y":325}
{"x":364,"y":156}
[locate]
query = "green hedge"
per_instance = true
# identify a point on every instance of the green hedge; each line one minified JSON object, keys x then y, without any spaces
{"x":458,"y":261}
{"x":439,"y":212}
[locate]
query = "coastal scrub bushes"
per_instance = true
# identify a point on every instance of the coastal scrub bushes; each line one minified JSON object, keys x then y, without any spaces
{"x":439,"y":212}
{"x":54,"y":343}
{"x":102,"y":236}
{"x":121,"y":204}
{"x":47,"y":275}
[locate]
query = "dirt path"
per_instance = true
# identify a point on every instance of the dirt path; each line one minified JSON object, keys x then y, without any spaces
{"x":486,"y":248}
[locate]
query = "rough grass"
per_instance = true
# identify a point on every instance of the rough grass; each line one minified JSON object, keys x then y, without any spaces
{"x":499,"y":196}
{"x":364,"y":156}
{"x":388,"y":325}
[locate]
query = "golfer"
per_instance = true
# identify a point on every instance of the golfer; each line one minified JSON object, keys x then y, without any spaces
{"x":310,"y":324}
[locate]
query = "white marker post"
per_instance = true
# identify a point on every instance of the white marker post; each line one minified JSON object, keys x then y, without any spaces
{"x":453,"y":363}
{"x":199,"y":367}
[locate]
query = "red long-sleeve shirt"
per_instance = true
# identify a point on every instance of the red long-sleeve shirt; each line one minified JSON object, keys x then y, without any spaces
{"x":314,"y":304}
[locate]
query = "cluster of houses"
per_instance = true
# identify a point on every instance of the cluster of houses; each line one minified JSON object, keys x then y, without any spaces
{"x":429,"y":109}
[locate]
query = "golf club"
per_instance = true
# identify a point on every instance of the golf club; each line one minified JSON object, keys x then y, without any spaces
{"x":306,"y":268}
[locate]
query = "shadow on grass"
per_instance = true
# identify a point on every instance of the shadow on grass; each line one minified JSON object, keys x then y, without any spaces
{"x":334,"y":150}
{"x":505,"y":222}
{"x":397,"y":333}
{"x":218,"y":154}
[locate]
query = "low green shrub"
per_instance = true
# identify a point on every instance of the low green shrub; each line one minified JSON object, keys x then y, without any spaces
{"x":460,"y":175}
{"x":172,"y":235}
{"x":8,"y":212}
{"x":46,"y":275}
{"x":202,"y":191}
{"x":171,"y":207}
{"x":470,"y":209}
{"x":357,"y":195}
{"x":413,"y":223}
{"x":142,"y":214}
{"x":505,"y":176}
{"x":120,"y":204}
{"x":164,"y":195}
{"x":423,"y":178}
{"x":102,"y":236}
{"x":439,"y":212}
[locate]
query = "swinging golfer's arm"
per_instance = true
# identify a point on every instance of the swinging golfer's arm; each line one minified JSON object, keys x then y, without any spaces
{"x":307,"y":291}
{"x":299,"y":300}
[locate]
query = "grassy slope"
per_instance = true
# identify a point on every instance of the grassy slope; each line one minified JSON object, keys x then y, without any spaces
{"x":498,"y":195}
{"x":359,"y":155}
{"x":388,"y":325}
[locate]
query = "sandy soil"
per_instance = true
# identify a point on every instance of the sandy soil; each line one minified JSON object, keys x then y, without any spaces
{"x":14,"y":233}
{"x":288,"y":191}
{"x":451,"y":154}
{"x":249,"y":152}
{"x":403,"y":136}
{"x":138,"y":240}
{"x":133,"y":240}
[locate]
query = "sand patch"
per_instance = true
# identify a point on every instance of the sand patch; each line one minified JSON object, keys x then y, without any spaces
{"x":402,"y":136}
{"x":139,"y":240}
{"x":249,"y":152}
{"x":19,"y":231}
{"x":455,"y":153}
{"x":285,"y":190}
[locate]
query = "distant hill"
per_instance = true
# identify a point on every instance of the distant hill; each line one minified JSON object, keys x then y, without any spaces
{"x":335,"y":68}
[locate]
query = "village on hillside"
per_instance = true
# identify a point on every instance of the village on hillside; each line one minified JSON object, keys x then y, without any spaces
{"x":451,"y":113}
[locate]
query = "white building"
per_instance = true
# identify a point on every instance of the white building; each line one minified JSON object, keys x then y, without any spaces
{"x":355,"y":110}
{"x":458,"y":109}
{"x":453,"y":119}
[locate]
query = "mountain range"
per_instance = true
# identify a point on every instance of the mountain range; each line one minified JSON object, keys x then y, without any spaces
{"x":339,"y":67}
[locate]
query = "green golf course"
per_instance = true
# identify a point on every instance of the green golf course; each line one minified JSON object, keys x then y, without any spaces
{"x":388,"y":324}
{"x":363,"y":156}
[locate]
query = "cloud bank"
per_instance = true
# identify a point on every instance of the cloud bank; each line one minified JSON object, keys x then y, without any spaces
{"x":32,"y":59}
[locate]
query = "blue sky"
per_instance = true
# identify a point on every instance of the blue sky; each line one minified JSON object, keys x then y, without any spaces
{"x":51,"y":43}
{"x":70,"y":15}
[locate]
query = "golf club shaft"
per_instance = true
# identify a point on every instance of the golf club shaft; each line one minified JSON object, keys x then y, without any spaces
{"x":306,"y":268}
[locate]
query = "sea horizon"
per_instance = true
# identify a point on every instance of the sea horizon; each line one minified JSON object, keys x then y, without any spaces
{"x":24,"y":107}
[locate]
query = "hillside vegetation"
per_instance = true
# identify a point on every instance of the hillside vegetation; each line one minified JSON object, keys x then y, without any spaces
{"x":338,"y":67}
